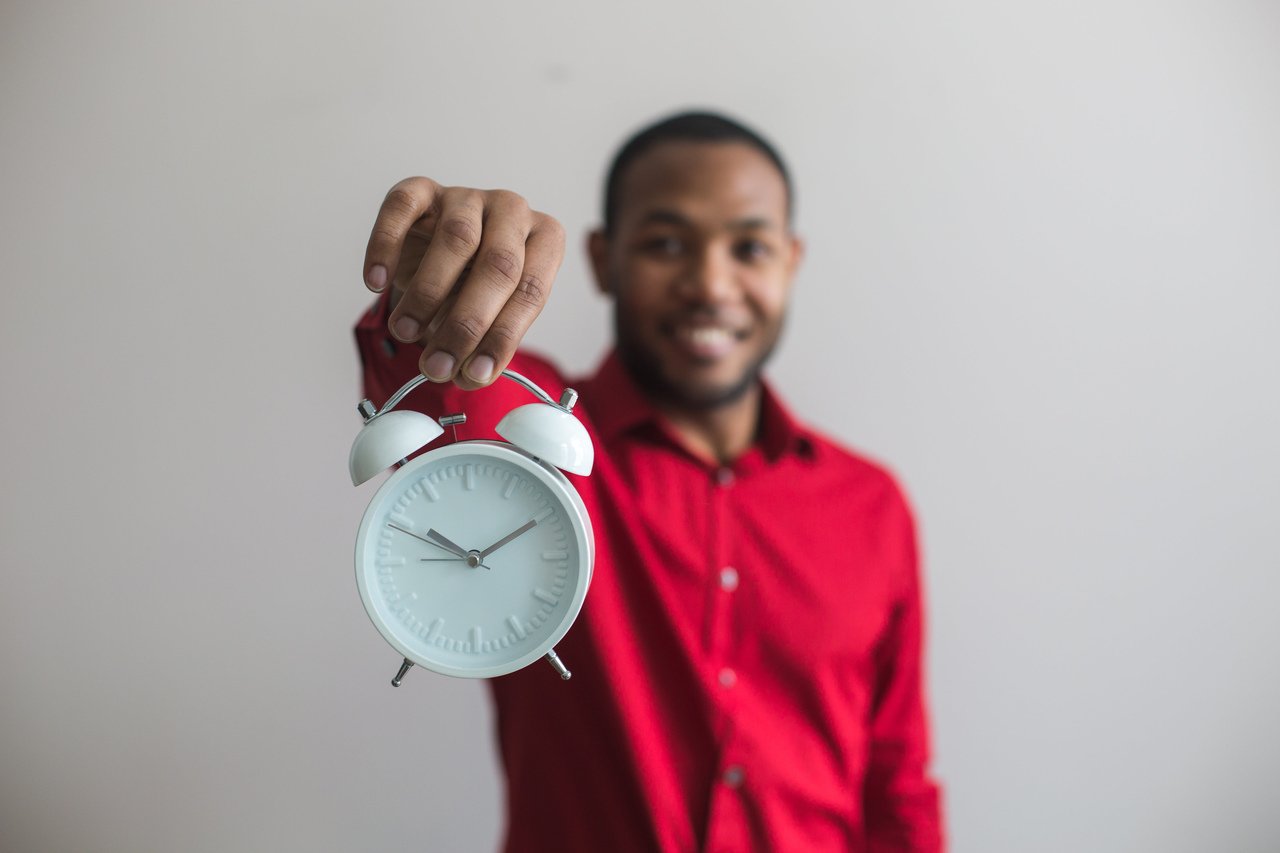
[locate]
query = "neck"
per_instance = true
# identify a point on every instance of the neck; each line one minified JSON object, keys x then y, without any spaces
{"x":718,"y":435}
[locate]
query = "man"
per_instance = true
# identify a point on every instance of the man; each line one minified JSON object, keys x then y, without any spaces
{"x":747,"y":667}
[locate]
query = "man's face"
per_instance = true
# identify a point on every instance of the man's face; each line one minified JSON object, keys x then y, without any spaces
{"x":699,"y":264}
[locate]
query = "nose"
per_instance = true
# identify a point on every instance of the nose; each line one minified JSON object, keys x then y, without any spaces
{"x":709,"y":278}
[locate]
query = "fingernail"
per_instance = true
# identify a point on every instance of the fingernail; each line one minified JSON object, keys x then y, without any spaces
{"x":439,"y":366}
{"x":406,"y":329}
{"x":377,"y":277}
{"x":480,"y":368}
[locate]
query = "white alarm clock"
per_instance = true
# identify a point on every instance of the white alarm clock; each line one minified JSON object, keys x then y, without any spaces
{"x":474,"y":559}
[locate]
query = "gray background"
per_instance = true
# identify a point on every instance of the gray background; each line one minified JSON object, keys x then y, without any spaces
{"x":1042,"y":284}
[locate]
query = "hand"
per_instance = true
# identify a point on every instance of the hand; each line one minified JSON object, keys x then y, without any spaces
{"x":528,"y":525}
{"x":472,"y":270}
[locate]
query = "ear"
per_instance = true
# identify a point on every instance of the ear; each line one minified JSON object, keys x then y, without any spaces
{"x":796,"y":250}
{"x":598,"y":254}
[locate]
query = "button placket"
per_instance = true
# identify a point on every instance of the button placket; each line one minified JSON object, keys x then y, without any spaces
{"x":722,"y":673}
{"x":725,"y":830}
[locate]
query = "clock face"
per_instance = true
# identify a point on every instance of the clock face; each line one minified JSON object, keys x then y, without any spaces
{"x":474,"y":559}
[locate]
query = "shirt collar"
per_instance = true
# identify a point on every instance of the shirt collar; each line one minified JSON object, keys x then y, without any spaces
{"x":618,"y":405}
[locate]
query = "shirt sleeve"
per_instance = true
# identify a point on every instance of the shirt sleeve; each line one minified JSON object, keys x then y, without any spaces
{"x":901,"y":802}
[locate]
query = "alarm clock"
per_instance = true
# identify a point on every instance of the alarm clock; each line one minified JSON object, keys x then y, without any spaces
{"x":473,"y":559}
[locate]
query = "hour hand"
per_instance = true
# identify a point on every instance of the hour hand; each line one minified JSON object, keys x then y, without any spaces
{"x":439,"y":539}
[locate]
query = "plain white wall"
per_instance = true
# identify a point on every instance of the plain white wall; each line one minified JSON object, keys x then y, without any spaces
{"x":1042,"y":283}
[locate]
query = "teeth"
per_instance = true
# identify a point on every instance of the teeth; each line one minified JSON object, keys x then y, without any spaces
{"x":709,"y":336}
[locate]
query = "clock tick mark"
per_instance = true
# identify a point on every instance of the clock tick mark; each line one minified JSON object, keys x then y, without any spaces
{"x":544,"y":596}
{"x":514,"y":622}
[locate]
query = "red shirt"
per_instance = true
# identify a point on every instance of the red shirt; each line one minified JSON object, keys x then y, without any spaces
{"x":747,"y":665}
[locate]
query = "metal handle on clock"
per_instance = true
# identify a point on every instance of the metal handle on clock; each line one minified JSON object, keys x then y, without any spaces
{"x":566,"y":402}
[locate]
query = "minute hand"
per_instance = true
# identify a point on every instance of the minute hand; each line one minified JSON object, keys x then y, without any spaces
{"x":525,"y":528}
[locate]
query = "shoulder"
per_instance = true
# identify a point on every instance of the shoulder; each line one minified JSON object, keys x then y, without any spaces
{"x":866,"y":479}
{"x":874,"y":508}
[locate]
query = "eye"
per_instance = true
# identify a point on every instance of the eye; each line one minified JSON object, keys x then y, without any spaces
{"x":751,"y":250}
{"x":663,"y":246}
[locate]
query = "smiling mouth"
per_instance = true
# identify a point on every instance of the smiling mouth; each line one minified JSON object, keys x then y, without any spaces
{"x":706,"y":342}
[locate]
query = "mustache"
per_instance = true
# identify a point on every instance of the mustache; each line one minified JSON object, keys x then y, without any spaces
{"x":708,"y":317}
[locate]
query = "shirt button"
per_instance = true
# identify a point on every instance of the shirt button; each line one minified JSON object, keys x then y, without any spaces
{"x":734,"y":776}
{"x":728,"y":677}
{"x":728,"y":578}
{"x":724,"y":476}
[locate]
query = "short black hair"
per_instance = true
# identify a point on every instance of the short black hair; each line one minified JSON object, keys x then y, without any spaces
{"x":686,"y":127}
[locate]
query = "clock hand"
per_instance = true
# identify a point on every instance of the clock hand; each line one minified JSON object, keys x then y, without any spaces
{"x":438,"y":539}
{"x":446,"y":545}
{"x":472,"y":560}
{"x":525,"y":528}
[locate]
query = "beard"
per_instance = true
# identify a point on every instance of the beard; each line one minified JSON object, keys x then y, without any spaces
{"x":645,"y":368}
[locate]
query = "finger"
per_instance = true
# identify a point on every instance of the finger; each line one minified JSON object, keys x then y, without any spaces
{"x":494,"y":276}
{"x":544,"y":251}
{"x":405,"y":203}
{"x":441,"y":313}
{"x":453,"y":244}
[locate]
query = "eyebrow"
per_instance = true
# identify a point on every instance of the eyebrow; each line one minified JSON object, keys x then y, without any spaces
{"x":666,"y":216}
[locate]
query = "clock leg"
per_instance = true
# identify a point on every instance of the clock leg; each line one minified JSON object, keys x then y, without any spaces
{"x":557,"y":665}
{"x":404,"y":668}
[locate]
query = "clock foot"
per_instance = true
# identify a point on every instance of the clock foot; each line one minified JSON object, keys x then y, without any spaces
{"x":404,"y":668}
{"x":558,"y":665}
